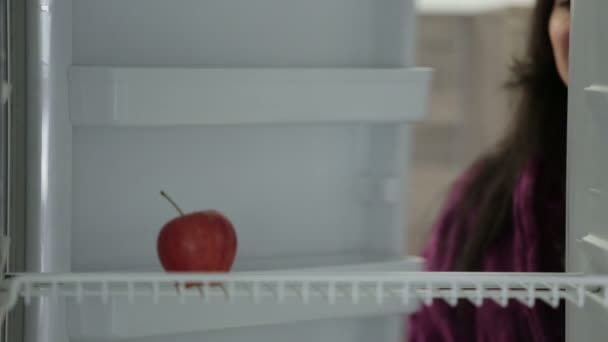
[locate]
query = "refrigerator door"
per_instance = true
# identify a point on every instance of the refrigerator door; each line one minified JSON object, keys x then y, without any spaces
{"x":587,"y":158}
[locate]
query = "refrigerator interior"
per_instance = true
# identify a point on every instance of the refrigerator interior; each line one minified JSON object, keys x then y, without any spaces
{"x":293,"y":193}
{"x":263,"y":110}
{"x":289,"y":117}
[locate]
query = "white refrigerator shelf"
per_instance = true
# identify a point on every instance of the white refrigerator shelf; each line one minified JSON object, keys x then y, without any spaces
{"x":154,"y":96}
{"x":128,"y":305}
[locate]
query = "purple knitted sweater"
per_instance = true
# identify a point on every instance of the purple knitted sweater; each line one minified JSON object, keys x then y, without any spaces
{"x":535,"y":243}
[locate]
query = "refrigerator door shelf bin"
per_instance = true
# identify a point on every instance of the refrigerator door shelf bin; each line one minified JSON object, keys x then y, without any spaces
{"x":125,"y":304}
{"x":597,"y":97}
{"x":594,"y":251}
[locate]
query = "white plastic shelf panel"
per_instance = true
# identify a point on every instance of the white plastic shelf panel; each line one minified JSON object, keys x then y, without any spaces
{"x":287,"y":293}
{"x":468,"y":7}
{"x":130,"y":96}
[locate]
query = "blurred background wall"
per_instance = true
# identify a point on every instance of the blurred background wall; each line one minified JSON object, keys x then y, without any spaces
{"x":470,"y":44}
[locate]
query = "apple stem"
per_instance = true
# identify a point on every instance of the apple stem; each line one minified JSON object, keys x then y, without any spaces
{"x":164,"y":194}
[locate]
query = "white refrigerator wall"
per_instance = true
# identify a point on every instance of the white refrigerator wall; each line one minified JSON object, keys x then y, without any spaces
{"x":300,"y":195}
{"x":241,"y":33}
{"x":293,"y":192}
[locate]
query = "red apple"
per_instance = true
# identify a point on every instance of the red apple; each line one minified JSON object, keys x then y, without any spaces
{"x":202,"y":241}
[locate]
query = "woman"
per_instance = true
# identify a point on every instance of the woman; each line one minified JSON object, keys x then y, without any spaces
{"x":507,"y":212}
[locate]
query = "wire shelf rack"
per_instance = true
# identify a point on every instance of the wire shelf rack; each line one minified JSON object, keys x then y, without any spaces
{"x":332,"y":288}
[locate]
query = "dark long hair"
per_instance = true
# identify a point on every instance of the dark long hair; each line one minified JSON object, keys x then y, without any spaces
{"x":535,"y":130}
